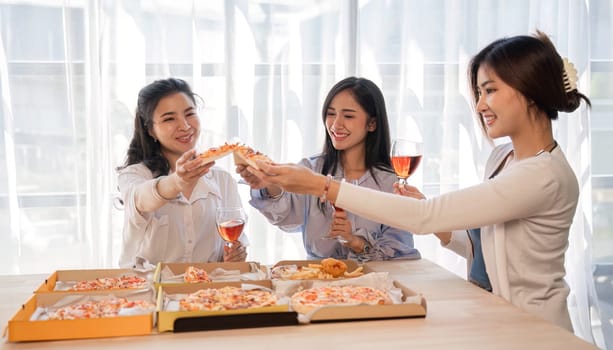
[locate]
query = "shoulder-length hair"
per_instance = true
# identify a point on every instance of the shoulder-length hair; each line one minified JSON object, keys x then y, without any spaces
{"x":143,"y":147}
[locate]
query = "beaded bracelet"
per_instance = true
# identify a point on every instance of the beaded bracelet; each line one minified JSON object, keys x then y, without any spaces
{"x":324,"y":196}
{"x":265,"y":194}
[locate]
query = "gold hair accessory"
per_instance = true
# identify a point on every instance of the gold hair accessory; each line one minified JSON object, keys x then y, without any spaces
{"x":569,"y":76}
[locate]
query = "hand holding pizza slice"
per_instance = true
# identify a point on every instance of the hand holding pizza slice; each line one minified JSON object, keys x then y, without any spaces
{"x":243,"y":154}
{"x":246,"y":155}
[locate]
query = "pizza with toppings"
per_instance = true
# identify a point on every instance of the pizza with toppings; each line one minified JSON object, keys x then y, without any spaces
{"x":246,"y":155}
{"x":243,"y":154}
{"x":310,"y":299}
{"x":329,"y":268}
{"x":227,"y":298}
{"x":215,"y":153}
{"x":102,"y":308}
{"x":123,"y":282}
{"x":195,"y":275}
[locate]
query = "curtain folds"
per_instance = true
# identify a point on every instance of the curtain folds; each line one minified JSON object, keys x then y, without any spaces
{"x":263,"y":69}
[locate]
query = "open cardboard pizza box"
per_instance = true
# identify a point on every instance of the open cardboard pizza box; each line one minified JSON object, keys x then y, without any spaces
{"x":351,"y":265}
{"x":413,"y":304}
{"x":171,"y":274}
{"x":60,"y":281}
{"x":181,"y":321}
{"x":365,"y":312}
{"x":22,"y":328}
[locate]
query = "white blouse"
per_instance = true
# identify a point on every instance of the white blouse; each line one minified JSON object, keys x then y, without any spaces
{"x":183,"y":229}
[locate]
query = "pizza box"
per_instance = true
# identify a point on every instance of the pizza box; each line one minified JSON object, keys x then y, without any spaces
{"x":177,"y":269}
{"x":352,"y":265}
{"x":22,"y":328}
{"x":60,"y":280}
{"x":366,"y":312}
{"x":181,"y":321}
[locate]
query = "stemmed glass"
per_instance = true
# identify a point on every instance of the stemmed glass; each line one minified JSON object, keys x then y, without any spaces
{"x":406,"y":156}
{"x":339,"y":239}
{"x":230,"y":222}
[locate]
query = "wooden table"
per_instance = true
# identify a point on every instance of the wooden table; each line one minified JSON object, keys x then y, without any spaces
{"x":460,"y":316}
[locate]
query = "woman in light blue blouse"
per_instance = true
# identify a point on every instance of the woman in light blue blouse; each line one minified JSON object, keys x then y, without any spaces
{"x":357,"y":149}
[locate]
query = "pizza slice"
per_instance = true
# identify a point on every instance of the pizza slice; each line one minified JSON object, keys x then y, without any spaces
{"x":214,"y":153}
{"x":194,"y":275}
{"x":246,"y":155}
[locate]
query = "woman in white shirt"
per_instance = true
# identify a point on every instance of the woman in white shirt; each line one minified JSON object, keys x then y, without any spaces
{"x":170,"y":195}
{"x":524,"y":208}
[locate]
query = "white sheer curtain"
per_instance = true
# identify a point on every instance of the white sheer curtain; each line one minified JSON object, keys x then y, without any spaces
{"x":70,"y":72}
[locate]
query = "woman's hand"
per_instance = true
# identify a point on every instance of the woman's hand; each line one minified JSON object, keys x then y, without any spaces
{"x":237,"y":252}
{"x":341,"y":226}
{"x":253,"y":181}
{"x":408,"y":191}
{"x":291,"y":177}
{"x":189,"y":168}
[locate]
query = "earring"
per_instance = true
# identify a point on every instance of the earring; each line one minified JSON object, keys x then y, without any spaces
{"x":155,"y":140}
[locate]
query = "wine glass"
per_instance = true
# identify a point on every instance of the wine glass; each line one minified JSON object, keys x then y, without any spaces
{"x":230,"y":222}
{"x":406,"y":156}
{"x":339,"y":239}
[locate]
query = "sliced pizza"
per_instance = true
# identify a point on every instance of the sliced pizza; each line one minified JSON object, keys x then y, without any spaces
{"x":102,"y":283}
{"x":195,"y":275}
{"x":103,"y":308}
{"x":214,"y":153}
{"x":227,"y":298}
{"x":246,"y":155}
{"x":310,"y":299}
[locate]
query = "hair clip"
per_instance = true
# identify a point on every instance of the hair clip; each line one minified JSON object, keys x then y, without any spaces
{"x":569,"y":76}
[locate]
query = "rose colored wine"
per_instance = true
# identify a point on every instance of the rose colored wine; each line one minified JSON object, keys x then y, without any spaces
{"x":231,"y":230}
{"x":405,"y":166}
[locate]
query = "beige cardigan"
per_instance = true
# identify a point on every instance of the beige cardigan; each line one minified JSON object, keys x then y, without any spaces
{"x":524,"y":213}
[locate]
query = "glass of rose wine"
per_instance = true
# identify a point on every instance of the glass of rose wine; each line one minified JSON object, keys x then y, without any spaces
{"x":406,"y":156}
{"x":230,"y":223}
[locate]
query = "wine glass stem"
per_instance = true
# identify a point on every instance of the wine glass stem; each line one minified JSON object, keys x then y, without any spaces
{"x":402,"y":181}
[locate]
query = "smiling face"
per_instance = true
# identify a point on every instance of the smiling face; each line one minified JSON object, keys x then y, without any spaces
{"x":503,"y":109}
{"x":347,"y":123}
{"x":175,"y":125}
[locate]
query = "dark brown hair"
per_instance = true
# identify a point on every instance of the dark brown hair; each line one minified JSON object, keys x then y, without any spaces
{"x":143,"y":147}
{"x":532,"y":66}
{"x":368,"y":95}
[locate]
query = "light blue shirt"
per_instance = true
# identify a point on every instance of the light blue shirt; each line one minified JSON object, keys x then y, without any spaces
{"x":301,"y":213}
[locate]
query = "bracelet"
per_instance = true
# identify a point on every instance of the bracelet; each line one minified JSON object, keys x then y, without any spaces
{"x":264,"y":193}
{"x":156,"y":192}
{"x":324,"y":196}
